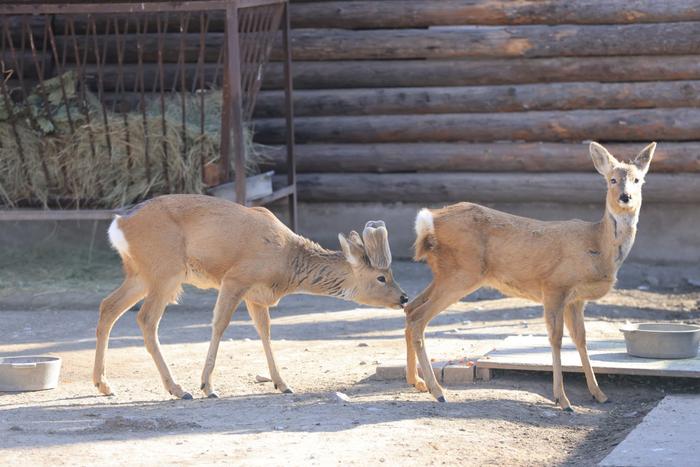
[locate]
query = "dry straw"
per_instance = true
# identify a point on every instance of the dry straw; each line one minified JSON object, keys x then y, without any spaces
{"x":55,"y":166}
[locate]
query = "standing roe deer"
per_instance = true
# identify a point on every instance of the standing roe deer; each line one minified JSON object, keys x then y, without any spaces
{"x":246,"y":253}
{"x":560,"y":264}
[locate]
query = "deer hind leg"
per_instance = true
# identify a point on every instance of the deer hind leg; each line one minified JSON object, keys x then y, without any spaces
{"x":230,"y":296}
{"x":111,"y":309}
{"x":148,"y":320}
{"x":573,"y":317}
{"x":554,"y":318}
{"x":261,"y":318}
{"x":412,"y":377}
{"x":440,"y":297}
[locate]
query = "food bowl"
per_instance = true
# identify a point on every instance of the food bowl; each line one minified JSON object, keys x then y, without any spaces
{"x":662,"y":340}
{"x":33,"y":373}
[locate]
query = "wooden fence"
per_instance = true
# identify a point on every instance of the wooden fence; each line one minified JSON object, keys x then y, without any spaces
{"x":479,"y":95}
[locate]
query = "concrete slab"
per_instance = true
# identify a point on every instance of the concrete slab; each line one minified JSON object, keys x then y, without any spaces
{"x":534,"y":353}
{"x":668,"y":436}
{"x":447,"y":372}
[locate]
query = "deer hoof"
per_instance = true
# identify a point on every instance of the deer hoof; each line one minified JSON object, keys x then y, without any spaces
{"x":441,"y":399}
{"x":186,"y":396}
{"x":568,"y":409}
{"x":213,"y":395}
{"x":288,"y":391}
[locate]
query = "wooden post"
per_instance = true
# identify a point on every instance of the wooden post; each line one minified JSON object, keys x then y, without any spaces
{"x":233,"y":75}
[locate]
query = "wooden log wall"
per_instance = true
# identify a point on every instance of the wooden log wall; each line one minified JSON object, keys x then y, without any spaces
{"x":486,"y":100}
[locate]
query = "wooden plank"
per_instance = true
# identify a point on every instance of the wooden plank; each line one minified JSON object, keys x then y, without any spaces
{"x":17,"y":215}
{"x":466,"y":41}
{"x":533,"y":353}
{"x":421,"y":13}
{"x":682,"y":124}
{"x":503,"y":98}
{"x":568,"y":188}
{"x":472,"y":157}
{"x":335,"y":74}
{"x":494,"y":41}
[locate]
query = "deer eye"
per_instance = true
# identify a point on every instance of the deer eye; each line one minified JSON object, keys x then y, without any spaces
{"x":381,"y":279}
{"x":636,"y":180}
{"x":613,"y":181}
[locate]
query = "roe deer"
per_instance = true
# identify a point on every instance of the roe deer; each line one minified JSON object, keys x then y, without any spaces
{"x":560,"y":264}
{"x":245,"y":253}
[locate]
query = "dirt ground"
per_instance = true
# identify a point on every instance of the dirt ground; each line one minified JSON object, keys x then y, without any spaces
{"x":322,"y":346}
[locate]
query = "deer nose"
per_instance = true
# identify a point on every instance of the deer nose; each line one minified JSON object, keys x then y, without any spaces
{"x":403,"y":299}
{"x":625,"y":198}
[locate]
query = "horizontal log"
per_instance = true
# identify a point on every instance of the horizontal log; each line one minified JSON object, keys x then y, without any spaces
{"x":421,"y":13}
{"x":495,"y":41}
{"x":681,"y":124}
{"x":471,"y":157}
{"x":420,"y":73}
{"x":462,"y":42}
{"x":551,"y":96}
{"x":570,"y":188}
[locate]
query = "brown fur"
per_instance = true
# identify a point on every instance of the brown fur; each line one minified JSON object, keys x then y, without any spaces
{"x":245,"y":253}
{"x":560,"y":264}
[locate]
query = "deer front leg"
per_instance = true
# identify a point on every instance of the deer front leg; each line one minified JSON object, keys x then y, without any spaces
{"x":230,"y":296}
{"x":573,"y":317}
{"x":148,"y":318}
{"x":111,"y":308}
{"x":439,"y":298}
{"x":412,"y":377}
{"x":261,"y":318}
{"x":554,"y":317}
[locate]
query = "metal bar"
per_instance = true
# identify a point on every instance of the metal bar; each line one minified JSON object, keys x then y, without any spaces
{"x":42,"y":91}
{"x":289,"y":106}
{"x":121,"y":90}
{"x":142,"y":85}
{"x":100,"y":85}
{"x":233,"y":73}
{"x":60,"y":68}
{"x":203,"y":25}
{"x":183,"y":87}
{"x":129,"y":7}
{"x":161,"y":76}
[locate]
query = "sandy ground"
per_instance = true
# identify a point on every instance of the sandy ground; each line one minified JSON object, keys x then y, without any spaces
{"x":322,"y":346}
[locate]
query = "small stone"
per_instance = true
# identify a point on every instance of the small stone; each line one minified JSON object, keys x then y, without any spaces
{"x":16,"y":428}
{"x":363,"y":363}
{"x":279,"y":427}
{"x":262,"y":379}
{"x":632,"y":414}
{"x":246,"y":339}
{"x":643,"y":287}
{"x":695,"y":282}
{"x":363,"y":344}
{"x":341,"y":397}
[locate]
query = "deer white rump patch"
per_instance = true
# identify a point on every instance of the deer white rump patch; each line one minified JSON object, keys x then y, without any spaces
{"x":117,"y":238}
{"x":424,"y":223}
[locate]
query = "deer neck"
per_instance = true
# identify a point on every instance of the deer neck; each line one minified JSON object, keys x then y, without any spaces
{"x":318,"y":271}
{"x":619,"y":231}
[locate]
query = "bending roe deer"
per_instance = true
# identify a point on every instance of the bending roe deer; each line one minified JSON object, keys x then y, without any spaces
{"x":245,"y":253}
{"x":559,"y":264}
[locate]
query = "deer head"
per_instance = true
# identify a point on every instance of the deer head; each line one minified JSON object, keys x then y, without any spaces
{"x":370,"y":259}
{"x":624,"y":179}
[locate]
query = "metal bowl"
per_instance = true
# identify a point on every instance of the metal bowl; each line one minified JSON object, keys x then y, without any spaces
{"x":33,"y":373}
{"x":662,"y":340}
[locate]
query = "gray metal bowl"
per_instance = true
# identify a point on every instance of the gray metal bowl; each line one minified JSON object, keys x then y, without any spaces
{"x":662,"y":340}
{"x":32,"y":373}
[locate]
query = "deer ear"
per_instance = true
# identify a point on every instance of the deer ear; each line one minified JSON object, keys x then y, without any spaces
{"x":353,"y":253}
{"x":643,"y":159}
{"x":376,"y":240}
{"x":602,"y":159}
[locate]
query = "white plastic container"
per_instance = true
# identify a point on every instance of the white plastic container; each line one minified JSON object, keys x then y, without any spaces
{"x":32,"y":373}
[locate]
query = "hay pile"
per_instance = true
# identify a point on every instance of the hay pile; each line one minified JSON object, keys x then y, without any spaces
{"x":54,"y":166}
